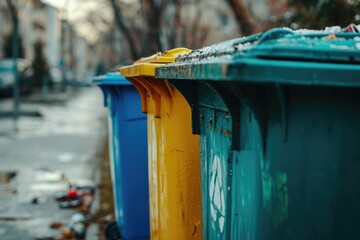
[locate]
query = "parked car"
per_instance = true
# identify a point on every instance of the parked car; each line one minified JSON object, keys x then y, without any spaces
{"x":7,"y":78}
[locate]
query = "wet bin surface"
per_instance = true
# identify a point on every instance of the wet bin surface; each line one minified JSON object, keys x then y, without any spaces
{"x":277,"y":114}
{"x":128,"y":153}
{"x":174,"y":165}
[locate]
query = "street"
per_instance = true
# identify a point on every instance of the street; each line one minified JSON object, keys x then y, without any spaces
{"x":62,"y":146}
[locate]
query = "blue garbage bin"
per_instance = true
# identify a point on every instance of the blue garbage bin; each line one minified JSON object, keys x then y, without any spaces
{"x":128,"y":153}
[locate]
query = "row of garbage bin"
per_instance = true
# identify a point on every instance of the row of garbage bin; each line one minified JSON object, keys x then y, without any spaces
{"x":253,"y":138}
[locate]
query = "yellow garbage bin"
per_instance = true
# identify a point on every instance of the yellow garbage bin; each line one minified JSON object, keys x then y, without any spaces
{"x":174,"y":161}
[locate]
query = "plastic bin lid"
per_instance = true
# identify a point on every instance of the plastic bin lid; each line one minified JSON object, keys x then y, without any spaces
{"x":146,"y":66}
{"x":112,"y":78}
{"x":280,"y":55}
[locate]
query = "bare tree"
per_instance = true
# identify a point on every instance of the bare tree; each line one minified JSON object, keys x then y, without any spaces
{"x":185,"y":26}
{"x":319,"y":14}
{"x":242,"y":16}
{"x":176,"y":23}
{"x":198,"y":33}
{"x":149,"y":26}
{"x":153,"y":13}
{"x":120,"y":23}
{"x":150,"y":34}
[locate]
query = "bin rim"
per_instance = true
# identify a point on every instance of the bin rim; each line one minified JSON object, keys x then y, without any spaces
{"x":111,"y":78}
{"x":284,"y":38}
{"x":145,"y":66}
{"x":316,"y":58}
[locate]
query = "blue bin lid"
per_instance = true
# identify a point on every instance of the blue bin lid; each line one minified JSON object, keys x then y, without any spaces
{"x":281,"y":55}
{"x":112,"y":78}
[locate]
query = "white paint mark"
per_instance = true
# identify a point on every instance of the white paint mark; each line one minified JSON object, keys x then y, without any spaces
{"x":221,"y":223}
{"x":153,"y":174}
{"x":216,"y":193}
{"x":212,"y":211}
{"x":222,"y":205}
{"x":153,"y":141}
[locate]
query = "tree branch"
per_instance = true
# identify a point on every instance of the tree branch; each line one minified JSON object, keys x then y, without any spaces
{"x":153,"y":16}
{"x":242,"y":17}
{"x":123,"y":28}
{"x":13,"y":11}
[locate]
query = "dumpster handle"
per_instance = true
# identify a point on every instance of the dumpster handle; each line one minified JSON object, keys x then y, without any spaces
{"x":274,"y":34}
{"x":188,"y":90}
{"x":142,"y":91}
{"x":171,"y":92}
{"x":170,"y":88}
{"x":153,"y":92}
{"x":253,"y":97}
{"x":233,"y":105}
{"x":113,"y":92}
{"x":105,"y":93}
{"x":159,"y":90}
{"x":160,"y":87}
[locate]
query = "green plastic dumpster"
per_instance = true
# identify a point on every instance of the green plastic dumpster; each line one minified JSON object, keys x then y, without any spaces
{"x":278,"y":116}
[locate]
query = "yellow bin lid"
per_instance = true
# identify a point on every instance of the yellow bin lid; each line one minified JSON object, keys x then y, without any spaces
{"x":146,"y":66}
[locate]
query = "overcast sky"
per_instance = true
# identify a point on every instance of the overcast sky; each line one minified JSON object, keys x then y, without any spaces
{"x":77,"y":11}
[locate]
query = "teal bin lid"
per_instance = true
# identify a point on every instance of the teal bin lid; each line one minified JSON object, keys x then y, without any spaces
{"x":112,"y":78}
{"x":280,"y":55}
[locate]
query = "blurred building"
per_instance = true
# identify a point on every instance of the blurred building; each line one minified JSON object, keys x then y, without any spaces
{"x":67,"y":50}
{"x":80,"y":58}
{"x":5,"y":27}
{"x":61,"y":46}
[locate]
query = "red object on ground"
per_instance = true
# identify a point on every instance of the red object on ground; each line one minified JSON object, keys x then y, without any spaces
{"x":72,"y":193}
{"x":351,"y":28}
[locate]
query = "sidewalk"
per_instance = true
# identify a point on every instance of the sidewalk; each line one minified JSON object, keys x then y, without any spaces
{"x":66,"y":141}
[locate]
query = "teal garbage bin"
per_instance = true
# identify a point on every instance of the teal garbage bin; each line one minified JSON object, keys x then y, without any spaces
{"x":278,"y":116}
{"x":129,"y":158}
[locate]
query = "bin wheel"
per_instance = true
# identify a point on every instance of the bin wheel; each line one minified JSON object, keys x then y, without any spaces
{"x":112,"y":232}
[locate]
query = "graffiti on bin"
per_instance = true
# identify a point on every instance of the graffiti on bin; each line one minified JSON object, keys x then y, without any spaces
{"x":216,"y":192}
